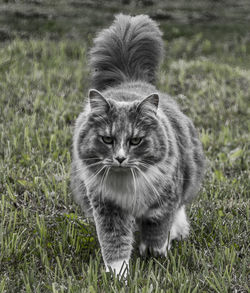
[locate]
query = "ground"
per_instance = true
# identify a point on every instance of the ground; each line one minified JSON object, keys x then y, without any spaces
{"x":46,"y":245}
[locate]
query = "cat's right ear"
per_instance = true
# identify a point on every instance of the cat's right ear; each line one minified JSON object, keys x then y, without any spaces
{"x":97,"y":101}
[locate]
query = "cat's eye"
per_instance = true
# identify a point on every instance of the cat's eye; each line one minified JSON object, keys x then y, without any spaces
{"x":135,"y":140}
{"x":107,"y":139}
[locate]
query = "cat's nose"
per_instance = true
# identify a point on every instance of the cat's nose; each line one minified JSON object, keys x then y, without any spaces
{"x":120,"y":159}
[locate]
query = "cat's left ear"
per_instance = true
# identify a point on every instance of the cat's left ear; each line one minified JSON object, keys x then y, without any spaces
{"x":97,"y":100}
{"x":149,"y":103}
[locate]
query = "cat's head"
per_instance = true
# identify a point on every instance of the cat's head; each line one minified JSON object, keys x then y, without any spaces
{"x":121,"y":135}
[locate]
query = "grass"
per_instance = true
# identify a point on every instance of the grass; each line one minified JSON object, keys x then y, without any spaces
{"x":46,"y":245}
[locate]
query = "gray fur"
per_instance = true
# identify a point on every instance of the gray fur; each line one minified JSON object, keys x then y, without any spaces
{"x":131,"y":49}
{"x":160,"y":174}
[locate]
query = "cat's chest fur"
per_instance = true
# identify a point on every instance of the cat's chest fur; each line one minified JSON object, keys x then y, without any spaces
{"x":130,"y":193}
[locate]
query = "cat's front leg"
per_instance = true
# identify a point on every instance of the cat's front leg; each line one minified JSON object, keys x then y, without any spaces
{"x":115,"y":233}
{"x":158,"y":232}
{"x":155,"y":235}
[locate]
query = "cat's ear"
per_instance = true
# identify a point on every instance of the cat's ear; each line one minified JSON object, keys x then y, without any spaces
{"x":149,"y":103}
{"x":97,"y":100}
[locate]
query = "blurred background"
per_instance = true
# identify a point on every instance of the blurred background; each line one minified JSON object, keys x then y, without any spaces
{"x":78,"y":19}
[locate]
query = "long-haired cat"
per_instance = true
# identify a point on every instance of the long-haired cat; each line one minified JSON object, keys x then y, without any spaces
{"x":137,"y":159}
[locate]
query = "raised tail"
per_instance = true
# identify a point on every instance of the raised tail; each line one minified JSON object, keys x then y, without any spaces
{"x":129,"y":50}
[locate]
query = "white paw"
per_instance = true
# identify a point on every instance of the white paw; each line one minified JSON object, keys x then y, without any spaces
{"x":160,"y":251}
{"x":119,"y":268}
{"x":143,"y":248}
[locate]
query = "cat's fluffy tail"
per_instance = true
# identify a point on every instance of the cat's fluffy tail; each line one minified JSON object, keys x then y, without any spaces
{"x":129,"y":50}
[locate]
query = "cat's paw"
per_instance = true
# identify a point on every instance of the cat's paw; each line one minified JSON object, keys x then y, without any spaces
{"x":119,"y":268}
{"x":155,"y":251}
{"x":158,"y":252}
{"x":143,"y":249}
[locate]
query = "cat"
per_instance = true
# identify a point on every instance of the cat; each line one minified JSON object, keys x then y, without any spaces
{"x":137,"y":159}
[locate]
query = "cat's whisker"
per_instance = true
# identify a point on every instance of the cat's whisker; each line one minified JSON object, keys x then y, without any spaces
{"x":150,"y":185}
{"x":159,"y":198}
{"x":151,"y":163}
{"x":155,"y":171}
{"x":147,"y":166}
{"x":82,"y":185}
{"x":91,"y":178}
{"x":163,"y":176}
{"x":92,"y":158}
{"x":106,"y":176}
{"x":103,"y":184}
{"x":82,"y":172}
{"x":85,"y":167}
{"x":102,"y":180}
{"x":137,"y":181}
{"x":135,"y":192}
{"x":93,"y":164}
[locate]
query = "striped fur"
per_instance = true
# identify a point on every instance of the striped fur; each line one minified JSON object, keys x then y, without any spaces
{"x":131,"y":49}
{"x":136,"y":157}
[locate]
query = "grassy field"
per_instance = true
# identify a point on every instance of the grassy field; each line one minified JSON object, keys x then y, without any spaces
{"x":46,"y":245}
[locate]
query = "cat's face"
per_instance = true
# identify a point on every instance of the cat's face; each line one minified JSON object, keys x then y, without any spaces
{"x":121,"y":135}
